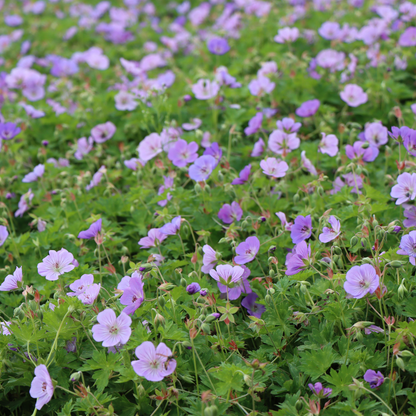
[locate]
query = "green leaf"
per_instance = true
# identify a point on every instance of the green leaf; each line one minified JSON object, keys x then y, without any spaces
{"x":316,"y":363}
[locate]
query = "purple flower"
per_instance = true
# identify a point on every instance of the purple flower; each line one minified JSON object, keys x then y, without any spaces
{"x":133,"y":296}
{"x":150,"y":147}
{"x":408,"y":247}
{"x":41,"y":387}
{"x":254,"y":124}
{"x":229,"y":213}
{"x":287,"y":34}
{"x":410,"y":142}
{"x":244,"y":174}
{"x":195,"y":124}
{"x":361,"y":280}
{"x":154,"y":364}
{"x":308,"y":108}
{"x":96,"y":178}
{"x":24,"y":203}
{"x":329,"y":144}
{"x":373,"y":328}
{"x":71,"y":346}
{"x":125,"y":101}
{"x":153,"y":239}
{"x":228,"y":280}
{"x":92,"y":231}
{"x":85,"y":289}
{"x":253,"y":308}
{"x":258,"y":87}
{"x":215,"y":151}
{"x":202,"y":168}
{"x":319,"y":390}
{"x":182,"y":153}
{"x":3,"y":234}
{"x":288,"y":125}
{"x":9,"y":130}
{"x":375,"y":378}
{"x":302,"y":229}
{"x":33,"y":176}
{"x":307,"y":164}
{"x":354,"y":95}
{"x":111,"y":330}
{"x":358,"y":151}
{"x":376,"y":134}
{"x":258,"y":148}
{"x":408,"y":37}
{"x":405,"y":188}
{"x":285,"y":224}
{"x":410,"y":214}
{"x":330,"y":30}
{"x":133,"y":163}
{"x":209,"y":260}
{"x":283,"y":143}
{"x":218,"y":46}
{"x":330,"y":234}
{"x":247,"y":250}
{"x":103,"y":132}
{"x":330,"y":59}
{"x":56,"y":263}
{"x":11,"y":281}
{"x":298,"y":259}
{"x":205,"y":89}
{"x":4,"y":329}
{"x":274,"y":167}
{"x":193,"y":288}
{"x":172,"y":228}
{"x":84,"y":146}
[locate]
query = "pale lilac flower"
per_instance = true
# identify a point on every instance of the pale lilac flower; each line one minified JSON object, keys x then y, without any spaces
{"x":103,"y":132}
{"x":247,"y":250}
{"x":267,"y":68}
{"x":182,"y":153}
{"x":319,"y":390}
{"x":288,"y":125}
{"x":215,"y":151}
{"x":153,"y":239}
{"x":84,"y":146}
{"x":202,"y":168}
{"x":205,"y":89}
{"x":376,"y":134}
{"x":218,"y":46}
{"x":302,"y":229}
{"x":329,"y":234}
{"x":96,"y":60}
{"x":133,"y":296}
{"x":361,"y":280}
{"x":254,"y":124}
{"x":56,"y":263}
{"x":408,"y":37}
{"x":298,"y":259}
{"x":11,"y":281}
{"x":230,"y":213}
{"x":193,"y":125}
{"x":85,"y":289}
{"x":243,"y":178}
{"x":125,"y":101}
{"x":375,"y":378}
{"x":33,"y":176}
{"x":173,"y":227}
{"x":405,"y":189}
{"x":358,"y":151}
{"x":283,"y":143}
{"x":258,"y":148}
{"x":408,"y":247}
{"x":261,"y":86}
{"x":150,"y":147}
{"x":111,"y":330}
{"x":41,"y":387}
{"x":125,"y":281}
{"x":134,"y":163}
{"x":154,"y":364}
{"x":308,"y":108}
{"x":354,"y":95}
{"x":285,"y":224}
{"x":3,"y":234}
{"x":330,"y":30}
{"x":4,"y":328}
{"x":253,"y":308}
{"x":330,"y":59}
{"x":354,"y":181}
{"x":329,"y":144}
{"x":409,"y":142}
{"x":373,"y":328}
{"x":193,"y":288}
{"x":410,"y":214}
{"x":228,"y":280}
{"x":307,"y":164}
{"x":209,"y":260}
{"x":287,"y":34}
{"x":24,"y":203}
{"x":274,"y":167}
{"x":96,"y":179}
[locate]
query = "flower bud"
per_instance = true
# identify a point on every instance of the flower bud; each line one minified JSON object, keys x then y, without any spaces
{"x":337,"y":250}
{"x":244,"y":224}
{"x":296,"y":198}
{"x":18,"y":312}
{"x":400,"y":363}
{"x":340,"y":264}
{"x":197,"y":188}
{"x":402,"y":289}
{"x":205,"y":328}
{"x":272,"y":291}
{"x":220,"y":176}
{"x":268,"y":299}
{"x":320,"y":191}
{"x":366,"y":260}
{"x":211,"y":411}
{"x":406,"y":353}
{"x":75,"y":376}
{"x":247,"y":380}
{"x":363,"y":242}
{"x":183,"y":282}
{"x":211,"y":317}
{"x":396,"y":264}
{"x":159,"y":320}
{"x":161,"y":301}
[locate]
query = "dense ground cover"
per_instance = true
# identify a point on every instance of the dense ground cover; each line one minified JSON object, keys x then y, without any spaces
{"x":207,"y":208}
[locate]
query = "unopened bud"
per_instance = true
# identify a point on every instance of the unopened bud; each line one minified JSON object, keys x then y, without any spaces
{"x":296,"y":198}
{"x":75,"y":376}
{"x":161,"y":301}
{"x":18,"y":313}
{"x":205,"y":328}
{"x":159,"y":320}
{"x":197,"y":188}
{"x":183,"y":282}
{"x":220,"y":176}
{"x":400,"y":363}
{"x":353,"y":241}
{"x":396,"y":264}
{"x":211,"y":411}
{"x":337,"y":250}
